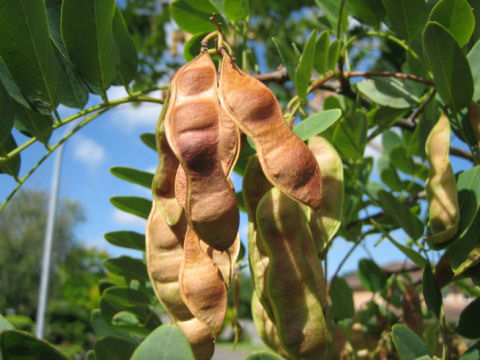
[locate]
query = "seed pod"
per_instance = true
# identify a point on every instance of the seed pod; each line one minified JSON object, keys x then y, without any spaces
{"x":326,"y":220}
{"x":286,"y":160}
{"x":255,"y":186}
{"x":474,"y":114}
{"x":201,"y":285}
{"x":225,"y":260}
{"x":163,"y":185}
{"x":441,"y":185}
{"x":290,"y":281}
{"x":164,"y":254}
{"x":192,"y":130}
{"x":266,"y":328}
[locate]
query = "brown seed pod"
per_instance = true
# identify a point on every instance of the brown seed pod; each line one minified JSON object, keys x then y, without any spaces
{"x":441,"y":185}
{"x":201,"y":285}
{"x":163,"y":185}
{"x":164,"y":255}
{"x":286,"y":160}
{"x":192,"y":130}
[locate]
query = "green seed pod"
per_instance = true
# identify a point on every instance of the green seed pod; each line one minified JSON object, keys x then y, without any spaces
{"x":291,"y":283}
{"x":266,"y":328}
{"x":441,"y":185}
{"x":326,"y":220}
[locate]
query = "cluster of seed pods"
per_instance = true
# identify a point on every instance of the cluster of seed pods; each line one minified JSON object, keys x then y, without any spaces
{"x":192,"y":237}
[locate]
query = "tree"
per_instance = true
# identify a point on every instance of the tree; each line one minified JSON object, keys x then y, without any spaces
{"x":416,"y":63}
{"x":22,"y":227}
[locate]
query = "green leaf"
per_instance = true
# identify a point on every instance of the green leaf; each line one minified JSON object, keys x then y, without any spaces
{"x":125,"y":297}
{"x":126,"y":49}
{"x":413,"y":255}
{"x":192,"y":47}
{"x":263,"y":355}
{"x":388,"y":91}
{"x":16,"y":344}
{"x":370,"y":12}
{"x":26,"y":50}
{"x":164,"y":343}
{"x":431,"y":291}
{"x":149,"y":140}
{"x":75,"y":92}
{"x":102,"y":328}
{"x":6,"y":114}
{"x":133,"y":205}
{"x":449,"y":65}
{"x":469,"y":322}
{"x":408,"y":344}
{"x":193,"y":16}
{"x":401,"y":213}
{"x":372,"y":277}
{"x":126,"y":239}
{"x":390,"y":139}
{"x":87,"y":32}
{"x":349,"y":135}
{"x":342,"y":299}
{"x":322,"y":46}
{"x":236,"y":9}
{"x":287,"y":57}
{"x":142,"y":178}
{"x":12,"y":165}
{"x":33,"y":124}
{"x":334,"y":54}
{"x":457,"y":17}
{"x":468,"y":197}
{"x":114,"y":348}
{"x":331,"y":10}
{"x":4,"y":324}
{"x":305,"y":67}
{"x":11,"y":87}
{"x":473,"y":58}
{"x":406,"y":17}
{"x":127,"y":266}
{"x":317,"y":123}
{"x":463,"y":253}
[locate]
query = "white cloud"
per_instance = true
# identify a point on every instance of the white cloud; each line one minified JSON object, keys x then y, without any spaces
{"x":88,"y":152}
{"x":129,"y":117}
{"x":125,"y":219}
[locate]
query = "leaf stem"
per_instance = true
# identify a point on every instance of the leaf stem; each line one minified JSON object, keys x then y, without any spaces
{"x":105,"y":105}
{"x":22,"y":180}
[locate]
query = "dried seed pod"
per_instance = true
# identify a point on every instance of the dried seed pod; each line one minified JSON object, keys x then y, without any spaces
{"x":192,"y":130}
{"x":163,"y":185}
{"x":326,"y":220}
{"x":225,"y":260}
{"x":441,"y":185}
{"x":201,"y":285}
{"x":286,"y":160}
{"x":412,"y":309}
{"x":291,"y":283}
{"x":164,"y":255}
{"x":266,"y":328}
{"x":474,"y":114}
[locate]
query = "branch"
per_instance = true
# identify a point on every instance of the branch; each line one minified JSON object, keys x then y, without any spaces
{"x":279,"y":76}
{"x":389,"y":74}
{"x":410,"y":200}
